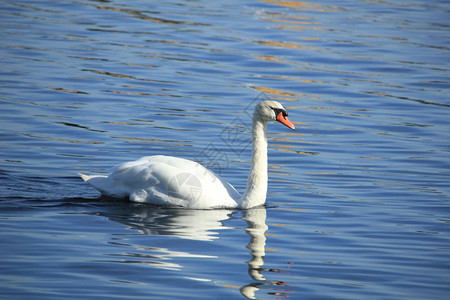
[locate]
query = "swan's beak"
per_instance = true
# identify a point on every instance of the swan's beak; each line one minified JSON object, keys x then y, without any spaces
{"x":285,"y":121}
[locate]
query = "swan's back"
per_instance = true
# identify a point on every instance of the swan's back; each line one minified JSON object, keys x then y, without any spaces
{"x":166,"y":180}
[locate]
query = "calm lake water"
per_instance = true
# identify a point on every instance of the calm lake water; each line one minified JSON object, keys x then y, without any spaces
{"x":359,"y":195}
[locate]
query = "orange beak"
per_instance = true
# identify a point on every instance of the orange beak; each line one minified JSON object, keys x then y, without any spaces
{"x":285,"y":121}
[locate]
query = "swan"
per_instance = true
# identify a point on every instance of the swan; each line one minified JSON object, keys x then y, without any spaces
{"x":168,"y":180}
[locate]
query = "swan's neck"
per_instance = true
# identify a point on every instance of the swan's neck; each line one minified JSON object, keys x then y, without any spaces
{"x":256,"y":191}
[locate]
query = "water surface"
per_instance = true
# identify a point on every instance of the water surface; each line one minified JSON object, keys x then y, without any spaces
{"x":358,"y":203}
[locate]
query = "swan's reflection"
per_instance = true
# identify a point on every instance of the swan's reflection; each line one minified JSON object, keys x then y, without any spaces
{"x":200,"y":225}
{"x":256,"y":229}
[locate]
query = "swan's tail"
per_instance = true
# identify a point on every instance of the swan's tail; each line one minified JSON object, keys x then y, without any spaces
{"x":104,"y":185}
{"x":99,"y":182}
{"x":86,"y":177}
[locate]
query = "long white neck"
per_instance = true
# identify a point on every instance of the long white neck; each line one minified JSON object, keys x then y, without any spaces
{"x":255,"y":193}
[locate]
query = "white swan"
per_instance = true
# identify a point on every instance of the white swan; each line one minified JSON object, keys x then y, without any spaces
{"x":168,"y":180}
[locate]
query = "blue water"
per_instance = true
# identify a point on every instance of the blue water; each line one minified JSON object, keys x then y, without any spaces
{"x":359,"y":195}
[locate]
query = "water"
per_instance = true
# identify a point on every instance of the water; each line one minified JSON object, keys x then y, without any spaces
{"x":358,"y":203}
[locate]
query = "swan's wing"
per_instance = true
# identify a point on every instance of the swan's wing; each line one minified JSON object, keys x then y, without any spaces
{"x":123,"y":167}
{"x":171,"y":180}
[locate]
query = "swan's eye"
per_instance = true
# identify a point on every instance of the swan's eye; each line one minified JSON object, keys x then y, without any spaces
{"x":280,"y":110}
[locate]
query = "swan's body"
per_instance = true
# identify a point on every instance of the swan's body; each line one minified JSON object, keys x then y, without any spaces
{"x":168,"y":180}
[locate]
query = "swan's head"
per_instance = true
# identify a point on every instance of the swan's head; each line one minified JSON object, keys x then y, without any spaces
{"x":273,"y":111}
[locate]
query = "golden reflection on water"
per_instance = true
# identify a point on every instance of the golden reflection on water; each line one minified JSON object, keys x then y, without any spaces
{"x":278,"y":94}
{"x":303,"y":5}
{"x":296,"y":79}
{"x":286,"y":21}
{"x":281,"y":95}
{"x":286,"y":45}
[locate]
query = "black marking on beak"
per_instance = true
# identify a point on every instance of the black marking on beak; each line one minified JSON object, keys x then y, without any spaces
{"x":278,"y":110}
